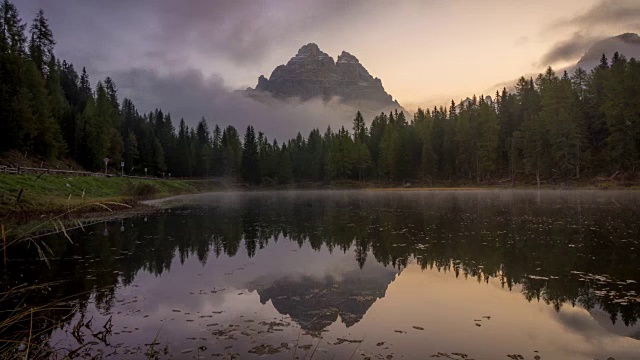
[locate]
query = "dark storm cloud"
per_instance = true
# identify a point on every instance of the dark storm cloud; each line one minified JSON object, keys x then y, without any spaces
{"x":191,"y":95}
{"x":169,"y":31}
{"x":243,"y":30}
{"x":569,"y":49}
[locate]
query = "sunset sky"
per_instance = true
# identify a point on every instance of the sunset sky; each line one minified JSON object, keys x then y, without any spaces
{"x":425,"y":52}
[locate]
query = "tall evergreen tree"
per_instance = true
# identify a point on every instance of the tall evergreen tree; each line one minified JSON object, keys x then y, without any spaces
{"x":250,"y":158}
{"x":41,"y":43}
{"x":203,"y":149}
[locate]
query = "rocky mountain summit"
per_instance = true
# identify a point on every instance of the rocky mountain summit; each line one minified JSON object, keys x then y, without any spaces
{"x":314,"y":74}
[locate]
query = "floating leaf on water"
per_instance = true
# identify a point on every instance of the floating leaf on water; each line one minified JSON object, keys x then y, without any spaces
{"x":343,"y":340}
{"x":537,"y":277}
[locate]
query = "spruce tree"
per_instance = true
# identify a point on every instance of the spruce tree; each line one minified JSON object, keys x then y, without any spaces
{"x":41,"y":43}
{"x":250,"y":159}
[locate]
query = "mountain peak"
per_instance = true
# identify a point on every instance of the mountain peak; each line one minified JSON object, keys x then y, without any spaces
{"x":345,"y":57}
{"x":309,"y":49}
{"x":312,"y":73}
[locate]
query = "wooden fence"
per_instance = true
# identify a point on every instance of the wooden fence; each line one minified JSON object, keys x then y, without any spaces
{"x":28,"y":170}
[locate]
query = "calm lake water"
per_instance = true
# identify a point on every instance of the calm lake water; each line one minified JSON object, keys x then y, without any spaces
{"x":340,"y":275}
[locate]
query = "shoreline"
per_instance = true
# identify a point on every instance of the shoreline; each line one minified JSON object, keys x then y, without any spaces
{"x":57,"y":207}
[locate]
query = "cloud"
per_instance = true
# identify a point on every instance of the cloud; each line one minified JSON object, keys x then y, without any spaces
{"x":164,"y":33}
{"x":608,"y":12}
{"x":192,"y":95}
{"x":605,"y":19}
{"x":242,"y":30}
{"x":510,"y":85}
{"x":568,"y":49}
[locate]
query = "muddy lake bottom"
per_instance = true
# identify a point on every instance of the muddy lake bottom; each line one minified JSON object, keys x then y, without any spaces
{"x":344,"y":275}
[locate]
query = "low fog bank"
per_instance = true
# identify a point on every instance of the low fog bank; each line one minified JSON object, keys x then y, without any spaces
{"x":192,"y":95}
{"x":426,"y":198}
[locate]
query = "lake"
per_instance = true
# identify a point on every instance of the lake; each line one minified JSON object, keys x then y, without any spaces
{"x":345,"y":274}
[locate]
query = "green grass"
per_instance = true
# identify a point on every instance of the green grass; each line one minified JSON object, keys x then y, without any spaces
{"x":51,"y":193}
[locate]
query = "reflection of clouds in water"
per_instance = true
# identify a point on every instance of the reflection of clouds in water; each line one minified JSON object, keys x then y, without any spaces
{"x":580,"y":321}
{"x":600,"y":337}
{"x":604,"y":320}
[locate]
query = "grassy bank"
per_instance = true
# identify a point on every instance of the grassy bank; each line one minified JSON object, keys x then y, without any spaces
{"x":23,"y":196}
{"x":28,"y":197}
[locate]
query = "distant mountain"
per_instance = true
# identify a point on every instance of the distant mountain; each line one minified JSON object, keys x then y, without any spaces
{"x":314,"y":74}
{"x":627,"y":44}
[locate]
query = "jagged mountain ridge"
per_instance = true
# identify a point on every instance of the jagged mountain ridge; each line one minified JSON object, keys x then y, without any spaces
{"x":312,"y":73}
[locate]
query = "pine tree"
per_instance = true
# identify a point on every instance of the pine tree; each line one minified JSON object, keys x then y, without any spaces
{"x":359,"y":128}
{"x":376,"y":133}
{"x":43,"y":135}
{"x":203,"y":149}
{"x":159,"y":164}
{"x":184,"y":159}
{"x":131,"y":153}
{"x":217,"y":158}
{"x":362,"y":159}
{"x":13,"y":29}
{"x":285,"y":168}
{"x":231,"y":152}
{"x":618,"y":108}
{"x":341,"y":155}
{"x":315,"y":148}
{"x":604,"y":63}
{"x":15,"y":112}
{"x":41,"y":43}
{"x":250,"y":159}
{"x":488,"y":132}
{"x":389,"y":150}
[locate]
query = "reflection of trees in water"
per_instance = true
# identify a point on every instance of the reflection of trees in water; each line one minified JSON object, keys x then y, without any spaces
{"x":479,"y":236}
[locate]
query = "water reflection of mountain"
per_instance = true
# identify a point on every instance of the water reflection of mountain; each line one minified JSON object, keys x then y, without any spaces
{"x":316,"y":303}
{"x":564,"y":249}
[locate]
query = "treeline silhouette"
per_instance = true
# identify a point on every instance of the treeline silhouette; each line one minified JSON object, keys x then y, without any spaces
{"x":551,"y":128}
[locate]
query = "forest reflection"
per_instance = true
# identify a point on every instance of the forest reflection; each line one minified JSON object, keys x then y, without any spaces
{"x":563,"y":249}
